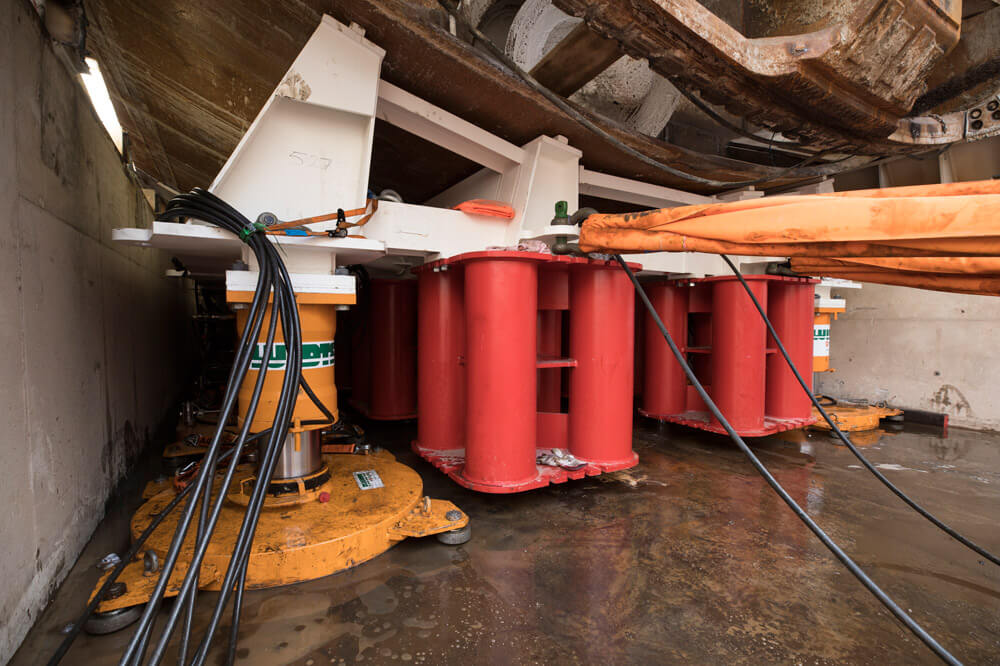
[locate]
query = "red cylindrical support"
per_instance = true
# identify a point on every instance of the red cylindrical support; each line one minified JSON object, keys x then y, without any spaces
{"x":602,"y":330}
{"x":665,"y":386}
{"x":393,"y":335}
{"x":738,"y":353}
{"x":549,"y":346}
{"x":790,"y":309}
{"x":440,"y":346}
{"x":501,"y":296}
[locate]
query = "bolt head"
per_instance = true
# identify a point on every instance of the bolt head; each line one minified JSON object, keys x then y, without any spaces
{"x":324,"y":497}
{"x":453,"y":515}
{"x":116,"y":590}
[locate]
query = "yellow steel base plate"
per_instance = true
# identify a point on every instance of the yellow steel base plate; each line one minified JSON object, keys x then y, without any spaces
{"x":851,"y":419}
{"x":333,"y":527}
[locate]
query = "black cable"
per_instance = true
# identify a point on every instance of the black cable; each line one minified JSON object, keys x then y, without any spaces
{"x":316,"y":401}
{"x":282,"y":415}
{"x":285,"y":304}
{"x":273,"y":281}
{"x":189,"y":587}
{"x":900,"y":614}
{"x":137,"y":645}
{"x":845,"y":439}
{"x":592,"y":127}
{"x":724,"y":122}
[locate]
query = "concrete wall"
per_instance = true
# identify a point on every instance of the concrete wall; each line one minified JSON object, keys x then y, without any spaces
{"x":922,"y":349}
{"x":89,"y":332}
{"x":919,"y":349}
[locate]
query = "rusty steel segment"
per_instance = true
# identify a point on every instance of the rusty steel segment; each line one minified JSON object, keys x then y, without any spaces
{"x":213,"y":72}
{"x":971,"y":72}
{"x":849,"y":84}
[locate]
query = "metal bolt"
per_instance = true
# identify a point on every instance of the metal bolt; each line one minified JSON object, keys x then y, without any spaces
{"x":977,"y":125}
{"x":150,"y":563}
{"x":975,"y":113}
{"x":996,"y":115}
{"x":453,"y":515}
{"x":267,"y":219}
{"x":993,"y":105}
{"x":799,"y":48}
{"x":109,"y":561}
{"x":116,"y":590}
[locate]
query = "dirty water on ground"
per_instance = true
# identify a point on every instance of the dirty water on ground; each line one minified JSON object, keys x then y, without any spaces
{"x":688,"y":557}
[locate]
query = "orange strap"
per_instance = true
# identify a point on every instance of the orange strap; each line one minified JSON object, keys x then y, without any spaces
{"x":278,"y":228}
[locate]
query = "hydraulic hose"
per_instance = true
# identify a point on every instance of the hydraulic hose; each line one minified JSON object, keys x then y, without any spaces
{"x":858,"y":573}
{"x":845,"y":439}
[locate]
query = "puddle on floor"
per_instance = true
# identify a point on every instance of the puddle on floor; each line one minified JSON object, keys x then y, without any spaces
{"x":688,"y":557}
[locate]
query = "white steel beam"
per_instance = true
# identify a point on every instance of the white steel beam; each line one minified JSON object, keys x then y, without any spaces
{"x":409,"y":112}
{"x":606,"y":186}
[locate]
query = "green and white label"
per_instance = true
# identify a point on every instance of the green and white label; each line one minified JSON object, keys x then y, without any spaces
{"x":314,"y":355}
{"x":368,"y":479}
{"x":821,"y":339}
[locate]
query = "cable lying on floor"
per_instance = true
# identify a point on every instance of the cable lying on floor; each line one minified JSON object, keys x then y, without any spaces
{"x":900,"y":614}
{"x":844,"y":438}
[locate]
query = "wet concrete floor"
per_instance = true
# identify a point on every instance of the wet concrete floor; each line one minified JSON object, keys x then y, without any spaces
{"x":689,"y":557}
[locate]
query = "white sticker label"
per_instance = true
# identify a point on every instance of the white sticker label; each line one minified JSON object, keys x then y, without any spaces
{"x":821,"y":340}
{"x":368,"y":479}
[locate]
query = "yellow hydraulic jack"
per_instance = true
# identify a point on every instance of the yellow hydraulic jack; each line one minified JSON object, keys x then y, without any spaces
{"x":323,"y":513}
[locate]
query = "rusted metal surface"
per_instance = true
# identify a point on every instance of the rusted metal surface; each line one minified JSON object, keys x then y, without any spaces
{"x":578,"y":58}
{"x":188,"y":77}
{"x":849,"y":82}
{"x":971,"y":72}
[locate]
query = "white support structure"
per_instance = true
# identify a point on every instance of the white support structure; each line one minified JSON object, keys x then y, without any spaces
{"x":409,"y":112}
{"x":636,"y":192}
{"x":308,"y":153}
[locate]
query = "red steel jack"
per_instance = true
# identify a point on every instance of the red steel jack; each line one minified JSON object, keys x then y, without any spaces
{"x":491,"y":368}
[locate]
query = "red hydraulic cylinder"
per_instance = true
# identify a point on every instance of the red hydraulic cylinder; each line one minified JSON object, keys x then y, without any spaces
{"x":602,"y":330}
{"x":393,"y":334}
{"x":790,"y":309}
{"x":665,"y":385}
{"x":501,"y":297}
{"x":738,"y":353}
{"x":441,"y":345}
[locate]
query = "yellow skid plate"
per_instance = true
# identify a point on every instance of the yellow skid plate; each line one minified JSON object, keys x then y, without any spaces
{"x":369,"y":504}
{"x":850,"y":419}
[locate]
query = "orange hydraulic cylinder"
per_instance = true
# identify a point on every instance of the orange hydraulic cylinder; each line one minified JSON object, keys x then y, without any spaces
{"x":319,"y":326}
{"x":738,"y":353}
{"x":602,"y":331}
{"x":441,"y":346}
{"x":501,"y":295}
{"x":821,"y":342}
{"x":393,"y":333}
{"x":790,"y":309}
{"x":664,"y":384}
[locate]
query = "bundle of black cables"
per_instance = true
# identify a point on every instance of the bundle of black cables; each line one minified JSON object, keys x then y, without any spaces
{"x":205,"y":492}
